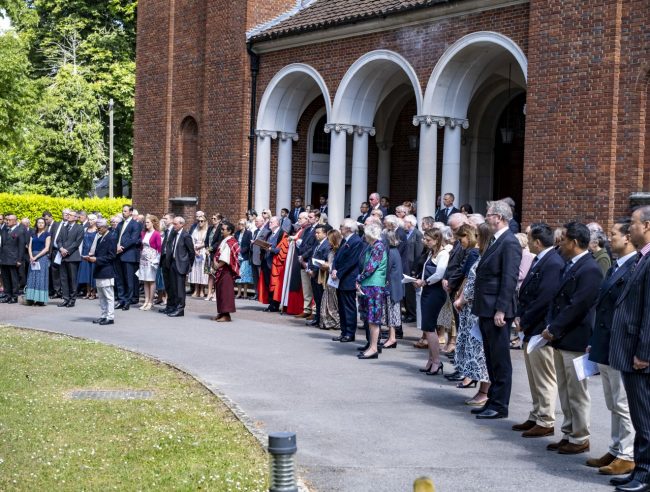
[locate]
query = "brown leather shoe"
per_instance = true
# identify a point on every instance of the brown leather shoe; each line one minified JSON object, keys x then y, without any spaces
{"x":570,"y":448}
{"x":303,"y":315}
{"x":600,"y":462}
{"x":617,"y":467}
{"x":529,"y":424}
{"x":554,"y":446}
{"x":539,"y":431}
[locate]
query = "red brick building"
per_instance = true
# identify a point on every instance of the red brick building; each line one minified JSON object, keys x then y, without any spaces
{"x":543,"y":101}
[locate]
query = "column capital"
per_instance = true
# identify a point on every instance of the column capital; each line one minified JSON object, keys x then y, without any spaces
{"x":360,"y":130}
{"x":339,"y":127}
{"x":454,"y":122}
{"x":429,"y":120}
{"x":288,"y":135}
{"x":266,"y":133}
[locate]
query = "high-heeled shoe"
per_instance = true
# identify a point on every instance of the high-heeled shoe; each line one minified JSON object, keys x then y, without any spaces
{"x":471,"y":384}
{"x":440,"y":370}
{"x":426,"y":369}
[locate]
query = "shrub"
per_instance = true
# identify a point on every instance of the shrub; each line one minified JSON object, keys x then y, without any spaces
{"x":33,"y":206}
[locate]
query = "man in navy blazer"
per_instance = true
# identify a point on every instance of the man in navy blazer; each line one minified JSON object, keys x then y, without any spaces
{"x":321,"y":251}
{"x":104,"y":273}
{"x":345,"y":269}
{"x":128,"y":259}
{"x":12,"y":245}
{"x":629,"y":351}
{"x":495,"y":305}
{"x":535,"y":294}
{"x":619,"y":459}
{"x":568,"y":327}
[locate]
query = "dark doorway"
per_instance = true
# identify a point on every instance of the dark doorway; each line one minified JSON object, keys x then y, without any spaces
{"x":317,"y":189}
{"x":509,"y":153}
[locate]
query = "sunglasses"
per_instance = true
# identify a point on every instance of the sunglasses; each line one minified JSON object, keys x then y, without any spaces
{"x":201,"y":220}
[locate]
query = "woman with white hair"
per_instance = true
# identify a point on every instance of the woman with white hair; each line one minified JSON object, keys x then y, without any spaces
{"x":85,"y":275}
{"x":371,"y":286}
{"x":394,"y":289}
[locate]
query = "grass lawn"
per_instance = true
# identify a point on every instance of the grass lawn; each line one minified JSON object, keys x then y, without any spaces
{"x":183,"y":438}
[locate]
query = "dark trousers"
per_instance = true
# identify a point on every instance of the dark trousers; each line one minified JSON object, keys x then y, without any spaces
{"x":69,"y":280}
{"x":127,"y":285}
{"x":410,"y":303}
{"x":166,"y":275}
{"x":317,"y":290}
{"x":496,"y":344}
{"x":256,"y":278}
{"x":22,"y":272}
{"x":637,"y":387}
{"x":55,"y":278}
{"x":176,"y":294}
{"x":347,"y":311}
{"x":10,"y":280}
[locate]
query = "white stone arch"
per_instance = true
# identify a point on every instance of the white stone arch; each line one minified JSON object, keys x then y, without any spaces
{"x":463,"y":67}
{"x":368,"y":82}
{"x":288,"y":94}
{"x":285,"y":98}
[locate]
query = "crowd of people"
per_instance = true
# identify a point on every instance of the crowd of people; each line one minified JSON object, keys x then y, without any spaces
{"x":474,"y":285}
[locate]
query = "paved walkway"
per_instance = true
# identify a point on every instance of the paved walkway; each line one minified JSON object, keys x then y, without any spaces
{"x":361,"y":425}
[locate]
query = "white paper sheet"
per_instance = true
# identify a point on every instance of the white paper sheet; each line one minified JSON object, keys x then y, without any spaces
{"x":58,"y":258}
{"x":318,"y":262}
{"x":475,"y":331}
{"x":535,"y":342}
{"x":407,"y":280}
{"x":35,"y":266}
{"x":333,"y":283}
{"x":584,"y":367}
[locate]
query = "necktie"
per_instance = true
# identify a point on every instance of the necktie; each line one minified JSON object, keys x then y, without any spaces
{"x":175,"y":244}
{"x":567,"y":269}
{"x":535,"y":260}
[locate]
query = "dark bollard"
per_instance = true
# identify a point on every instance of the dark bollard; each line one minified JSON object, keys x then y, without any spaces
{"x":282,"y":447}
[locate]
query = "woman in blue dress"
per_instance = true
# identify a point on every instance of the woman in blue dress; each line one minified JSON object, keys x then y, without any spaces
{"x":86,"y":269}
{"x":36,"y":290}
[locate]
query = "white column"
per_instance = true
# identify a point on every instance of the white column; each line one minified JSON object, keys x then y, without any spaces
{"x":336,"y":189}
{"x":359,"y":185}
{"x":451,"y":158}
{"x":283,"y":189}
{"x":426,"y":200}
{"x":383,"y":168}
{"x":263,"y":169}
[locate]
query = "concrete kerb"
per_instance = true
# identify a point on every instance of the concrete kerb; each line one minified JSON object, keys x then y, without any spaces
{"x":234,"y":408}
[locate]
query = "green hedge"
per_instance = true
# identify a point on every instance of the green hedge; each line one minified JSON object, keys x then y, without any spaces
{"x":33,"y":206}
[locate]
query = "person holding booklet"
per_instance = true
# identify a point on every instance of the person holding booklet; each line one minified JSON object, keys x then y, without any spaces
{"x":36,"y":291}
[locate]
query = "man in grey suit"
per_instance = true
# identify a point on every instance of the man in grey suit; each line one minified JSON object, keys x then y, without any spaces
{"x":257,"y":253}
{"x":71,"y":237}
{"x":495,"y":304}
{"x":629,"y":351}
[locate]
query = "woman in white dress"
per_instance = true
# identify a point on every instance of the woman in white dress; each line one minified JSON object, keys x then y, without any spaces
{"x":198,"y":275}
{"x":149,"y":259}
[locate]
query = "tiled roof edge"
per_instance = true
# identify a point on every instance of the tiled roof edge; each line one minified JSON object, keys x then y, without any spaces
{"x":300,"y":5}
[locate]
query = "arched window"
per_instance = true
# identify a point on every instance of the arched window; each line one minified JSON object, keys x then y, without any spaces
{"x":321,"y":140}
{"x":190,"y":170}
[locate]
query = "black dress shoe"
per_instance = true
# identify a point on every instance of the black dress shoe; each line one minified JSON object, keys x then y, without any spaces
{"x":135,"y":301}
{"x":633,"y":486}
{"x":176,"y":314}
{"x":70,"y":304}
{"x":479,"y":410}
{"x":363,"y":348}
{"x":5,"y":299}
{"x":106,"y":322}
{"x":119,"y":305}
{"x":98,"y":320}
{"x":346,"y":339}
{"x":313,"y":322}
{"x":364,"y":357}
{"x":13,"y":300}
{"x":62,"y":304}
{"x":491,"y":414}
{"x":616,"y":481}
{"x":126,"y":307}
{"x":166,"y":310}
{"x":337,"y":339}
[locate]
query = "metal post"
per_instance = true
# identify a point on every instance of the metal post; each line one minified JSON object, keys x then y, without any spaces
{"x":282,"y":447}
{"x":110,"y":148}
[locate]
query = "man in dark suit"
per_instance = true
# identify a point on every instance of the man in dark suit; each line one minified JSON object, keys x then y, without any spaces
{"x":321,"y":250}
{"x":296,"y":210}
{"x":495,"y":305}
{"x":374,"y":200}
{"x":365,"y":212}
{"x":535,"y":294}
{"x":568,"y":328}
{"x":104,"y":273}
{"x":12,"y":246}
{"x":257,"y":253}
{"x":447,"y":209}
{"x":619,"y":459}
{"x":274,"y":239}
{"x":164,"y":263}
{"x":629,"y":351}
{"x":28,"y":230}
{"x":345,"y":269}
{"x":55,"y":277}
{"x":322,"y":200}
{"x":305,"y":251}
{"x":71,"y":237}
{"x":128,"y":259}
{"x":180,"y":257}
